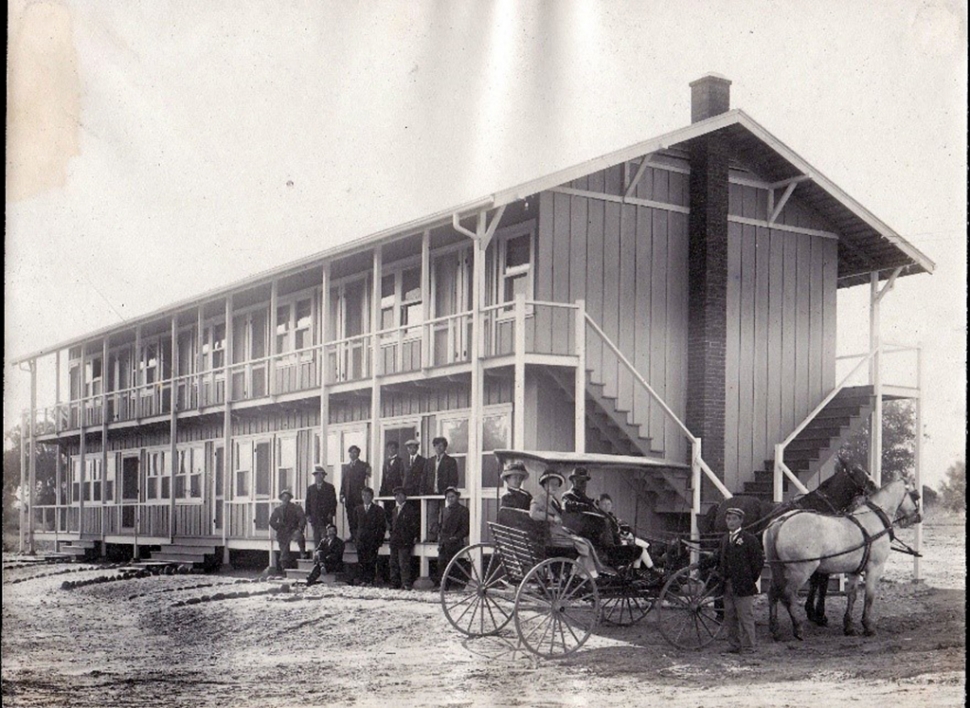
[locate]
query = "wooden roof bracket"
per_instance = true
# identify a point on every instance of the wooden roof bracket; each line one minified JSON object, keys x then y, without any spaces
{"x":644,"y":163}
{"x":774,"y":208}
{"x":888,"y":285}
{"x":489,"y":231}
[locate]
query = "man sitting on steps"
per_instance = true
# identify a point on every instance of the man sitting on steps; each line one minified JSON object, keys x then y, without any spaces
{"x":329,"y":556}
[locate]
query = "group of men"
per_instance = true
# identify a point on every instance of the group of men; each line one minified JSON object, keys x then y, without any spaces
{"x":369,"y":524}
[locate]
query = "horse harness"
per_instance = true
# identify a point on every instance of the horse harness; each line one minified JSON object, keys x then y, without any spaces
{"x":867,"y":539}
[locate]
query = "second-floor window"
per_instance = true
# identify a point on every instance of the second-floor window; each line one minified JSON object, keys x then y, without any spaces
{"x":294,"y":329}
{"x":214,"y":346}
{"x":514,"y":274}
{"x":401,"y":301}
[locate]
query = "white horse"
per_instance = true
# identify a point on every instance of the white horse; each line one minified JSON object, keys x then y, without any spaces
{"x":801,"y":542}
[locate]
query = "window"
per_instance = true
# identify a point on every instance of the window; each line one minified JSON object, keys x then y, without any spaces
{"x":182,"y":473}
{"x":401,"y":298}
{"x":92,"y":488}
{"x":110,"y":474}
{"x":496,"y":435}
{"x":388,"y":301}
{"x":286,"y":465}
{"x":92,"y":376}
{"x":244,"y":461}
{"x":456,"y":432}
{"x":197,"y":473}
{"x":75,"y":479}
{"x":188,"y":476}
{"x":214,"y":347}
{"x":516,"y":267}
{"x":157,"y":481}
{"x":294,"y":326}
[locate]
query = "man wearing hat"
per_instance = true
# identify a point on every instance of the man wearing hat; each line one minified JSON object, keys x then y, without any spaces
{"x":328,"y":557}
{"x":371,"y":527}
{"x":441,"y":471}
{"x":354,"y":478}
{"x":392,"y":474}
{"x":741,"y":562}
{"x":287,"y":520}
{"x":413,"y":469}
{"x":581,"y":514}
{"x":453,"y":530}
{"x":321,"y":503}
{"x":515,"y":497}
{"x":405,"y":522}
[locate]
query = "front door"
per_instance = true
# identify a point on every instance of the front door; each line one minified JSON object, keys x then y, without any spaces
{"x":130,"y":490}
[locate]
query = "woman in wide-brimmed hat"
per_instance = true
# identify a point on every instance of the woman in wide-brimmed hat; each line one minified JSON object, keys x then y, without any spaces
{"x":515,"y":497}
{"x":547,"y":508}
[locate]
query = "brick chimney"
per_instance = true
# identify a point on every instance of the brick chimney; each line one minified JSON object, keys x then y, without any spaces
{"x":707,"y":264}
{"x":710,"y":95}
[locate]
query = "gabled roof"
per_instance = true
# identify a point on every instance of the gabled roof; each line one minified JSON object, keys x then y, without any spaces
{"x":866,"y":244}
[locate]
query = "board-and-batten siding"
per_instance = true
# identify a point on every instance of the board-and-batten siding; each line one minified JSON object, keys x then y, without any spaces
{"x":780,"y":356}
{"x":630,"y":265}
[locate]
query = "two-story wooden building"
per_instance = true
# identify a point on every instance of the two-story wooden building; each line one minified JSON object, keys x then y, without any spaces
{"x":675,"y":299}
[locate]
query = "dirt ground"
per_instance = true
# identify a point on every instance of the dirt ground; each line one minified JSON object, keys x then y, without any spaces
{"x":190,"y":640}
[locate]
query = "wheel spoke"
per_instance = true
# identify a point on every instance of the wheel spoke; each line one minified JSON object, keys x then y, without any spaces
{"x":701,"y":619}
{"x":569,"y":626}
{"x":580,"y":586}
{"x":465,"y":611}
{"x":542,"y":619}
{"x":467,"y":598}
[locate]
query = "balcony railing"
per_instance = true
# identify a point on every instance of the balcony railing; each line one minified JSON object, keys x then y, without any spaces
{"x":543,"y":328}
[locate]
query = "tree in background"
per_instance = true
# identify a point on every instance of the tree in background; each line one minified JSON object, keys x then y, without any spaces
{"x":46,"y":470}
{"x":953,"y":491}
{"x":898,"y":441}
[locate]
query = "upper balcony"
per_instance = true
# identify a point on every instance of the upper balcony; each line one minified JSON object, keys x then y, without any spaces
{"x":538,"y":332}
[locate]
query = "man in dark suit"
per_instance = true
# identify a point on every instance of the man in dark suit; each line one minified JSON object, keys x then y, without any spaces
{"x":405,"y":521}
{"x":371,"y":527}
{"x":392,"y":474}
{"x":453,"y":533}
{"x":288,"y":521}
{"x":440,"y":471}
{"x":741,"y":562}
{"x":328,"y":557}
{"x":354,"y":478}
{"x":321,"y":504}
{"x":413,"y":472}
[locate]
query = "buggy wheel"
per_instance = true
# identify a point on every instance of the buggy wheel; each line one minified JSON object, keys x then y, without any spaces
{"x":557,"y":607}
{"x":476,"y":596}
{"x":688,"y":616}
{"x":627,"y":601}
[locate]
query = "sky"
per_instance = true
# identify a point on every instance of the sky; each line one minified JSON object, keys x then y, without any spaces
{"x":160,"y":149}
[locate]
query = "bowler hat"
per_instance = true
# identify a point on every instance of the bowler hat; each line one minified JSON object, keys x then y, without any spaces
{"x":352,"y":448}
{"x":515,"y":468}
{"x":412,"y":441}
{"x":735,"y":512}
{"x":580,"y":473}
{"x":440,"y":439}
{"x":550,"y":473}
{"x":451,"y":490}
{"x":287,"y":492}
{"x":319,"y":469}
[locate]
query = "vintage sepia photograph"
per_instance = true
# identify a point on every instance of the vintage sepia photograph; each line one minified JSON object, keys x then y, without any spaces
{"x":485,"y":353}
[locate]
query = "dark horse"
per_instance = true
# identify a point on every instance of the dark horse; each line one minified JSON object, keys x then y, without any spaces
{"x":833,"y":496}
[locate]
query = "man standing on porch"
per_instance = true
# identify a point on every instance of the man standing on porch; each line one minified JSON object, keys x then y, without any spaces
{"x":392,"y":474}
{"x":321,"y":503}
{"x":372,"y":525}
{"x":405,"y":521}
{"x":440,"y":472}
{"x":413,"y":474}
{"x":355,"y":476}
{"x":288,"y":521}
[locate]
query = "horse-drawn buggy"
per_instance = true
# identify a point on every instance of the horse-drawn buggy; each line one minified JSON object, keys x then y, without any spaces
{"x":555,"y":595}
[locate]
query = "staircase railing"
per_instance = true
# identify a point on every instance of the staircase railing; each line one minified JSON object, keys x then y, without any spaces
{"x":697,"y":463}
{"x":781,"y":470}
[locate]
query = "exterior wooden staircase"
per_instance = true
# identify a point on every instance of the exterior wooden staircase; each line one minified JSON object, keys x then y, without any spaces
{"x":821,"y":439}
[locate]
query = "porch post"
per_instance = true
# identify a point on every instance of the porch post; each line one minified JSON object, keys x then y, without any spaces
{"x":918,"y":457}
{"x":875,"y":379}
{"x":173,"y":428}
{"x":271,"y":367}
{"x":82,"y":445}
{"x":33,"y":456}
{"x":22,"y":514}
{"x":518,"y":437}
{"x":199,"y":359}
{"x":57,"y":391}
{"x":474,"y":462}
{"x":579,"y":422}
{"x":324,"y":396}
{"x":426,"y":338}
{"x":104,"y":439}
{"x":227,"y":451}
{"x":375,"y":391}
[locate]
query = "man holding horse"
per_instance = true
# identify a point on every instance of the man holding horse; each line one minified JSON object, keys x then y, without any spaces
{"x":741,"y":562}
